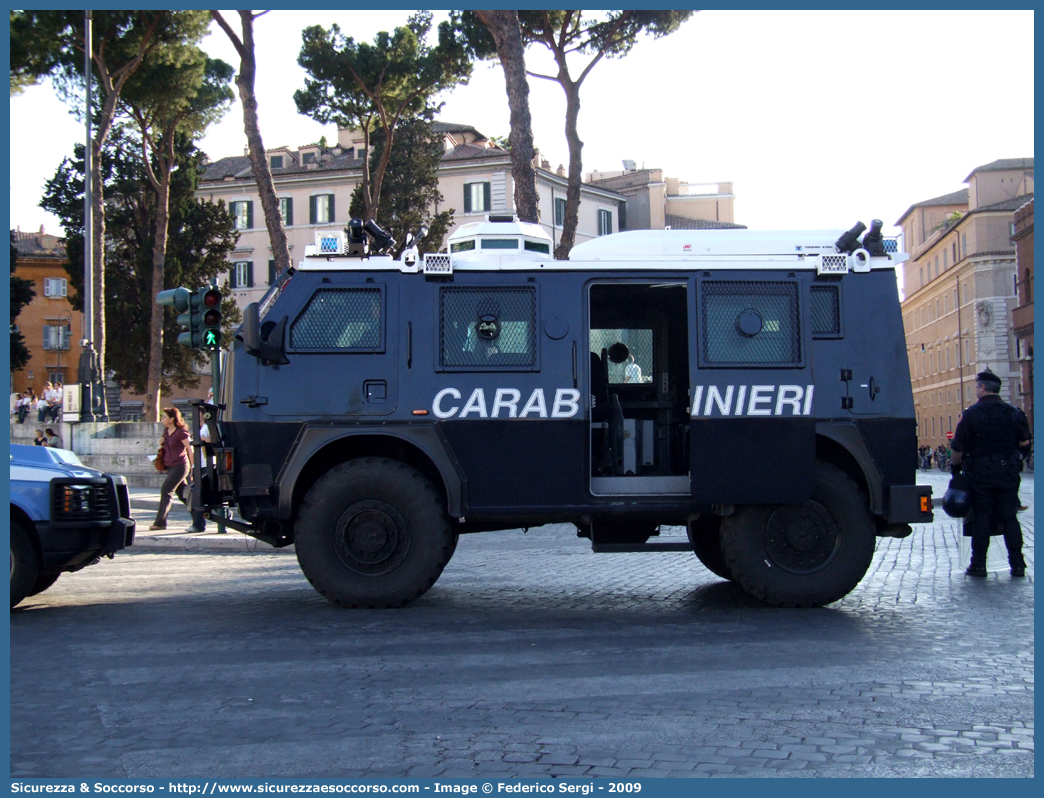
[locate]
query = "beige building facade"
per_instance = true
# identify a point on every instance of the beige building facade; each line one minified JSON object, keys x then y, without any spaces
{"x":960,"y":293}
{"x":655,"y":202}
{"x":315,"y":184}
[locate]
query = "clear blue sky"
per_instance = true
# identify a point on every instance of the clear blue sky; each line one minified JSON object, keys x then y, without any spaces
{"x":819,"y":119}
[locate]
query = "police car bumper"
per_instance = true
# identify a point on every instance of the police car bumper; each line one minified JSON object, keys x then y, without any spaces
{"x":910,"y":504}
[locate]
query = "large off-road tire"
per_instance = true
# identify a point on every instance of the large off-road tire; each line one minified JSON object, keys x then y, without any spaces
{"x":802,"y":555}
{"x":705,"y":537}
{"x":25,"y":565}
{"x":43,"y":581}
{"x":373,"y":532}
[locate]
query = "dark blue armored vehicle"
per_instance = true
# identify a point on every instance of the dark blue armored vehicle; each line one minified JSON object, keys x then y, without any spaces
{"x":753,"y":387}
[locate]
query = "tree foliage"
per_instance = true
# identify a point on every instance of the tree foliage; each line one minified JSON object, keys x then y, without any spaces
{"x":411,"y":186}
{"x":373,"y":87}
{"x":22,"y":294}
{"x":568,"y":35}
{"x":179,"y":91}
{"x":52,"y":43}
{"x":201,"y":238}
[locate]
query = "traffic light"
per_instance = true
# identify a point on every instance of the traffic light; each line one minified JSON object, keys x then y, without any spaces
{"x":184,"y":302}
{"x":211,"y":323}
{"x":199,"y":313}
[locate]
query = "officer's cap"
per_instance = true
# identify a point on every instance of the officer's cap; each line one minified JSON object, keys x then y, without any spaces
{"x":989,"y":379}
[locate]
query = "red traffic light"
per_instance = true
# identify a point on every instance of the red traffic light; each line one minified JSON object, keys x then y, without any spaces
{"x":212,"y":298}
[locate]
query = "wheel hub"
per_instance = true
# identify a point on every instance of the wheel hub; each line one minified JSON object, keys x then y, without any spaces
{"x":372,"y":538}
{"x":801,"y":539}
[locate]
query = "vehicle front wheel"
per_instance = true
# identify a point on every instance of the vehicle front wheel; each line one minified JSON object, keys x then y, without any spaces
{"x":803,"y":555}
{"x":373,"y":532}
{"x":43,"y":581}
{"x":25,"y":566}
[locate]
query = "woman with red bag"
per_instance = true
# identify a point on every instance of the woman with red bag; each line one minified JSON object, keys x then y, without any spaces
{"x":177,"y":450}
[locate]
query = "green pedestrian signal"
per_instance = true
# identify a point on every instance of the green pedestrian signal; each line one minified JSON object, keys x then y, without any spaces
{"x":211,"y":322}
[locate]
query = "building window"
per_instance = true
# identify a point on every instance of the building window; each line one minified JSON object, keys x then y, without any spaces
{"x":56,"y":336}
{"x":922,"y":277}
{"x":242,"y":214}
{"x":954,"y":246}
{"x":321,"y":209}
{"x":286,"y":210}
{"x":964,"y":244}
{"x":272,"y":272}
{"x":476,"y":197}
{"x":605,"y":223}
{"x":55,"y":286}
{"x":276,"y":162}
{"x":560,"y":211}
{"x":242,"y":275}
{"x":309,"y":157}
{"x":946,"y":259}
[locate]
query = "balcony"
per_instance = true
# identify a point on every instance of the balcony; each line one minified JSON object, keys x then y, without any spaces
{"x":1022,"y":320}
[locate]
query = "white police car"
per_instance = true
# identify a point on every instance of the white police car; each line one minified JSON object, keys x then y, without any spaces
{"x":64,"y":517}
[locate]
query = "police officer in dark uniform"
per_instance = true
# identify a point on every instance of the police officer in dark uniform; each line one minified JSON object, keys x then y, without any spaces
{"x":989,"y":443}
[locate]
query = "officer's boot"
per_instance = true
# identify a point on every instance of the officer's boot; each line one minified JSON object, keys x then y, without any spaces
{"x":1017,"y":563}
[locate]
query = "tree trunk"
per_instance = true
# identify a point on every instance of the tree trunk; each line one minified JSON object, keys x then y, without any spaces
{"x":572,"y":209}
{"x":258,"y":157}
{"x":159,"y":257}
{"x":506,"y":32}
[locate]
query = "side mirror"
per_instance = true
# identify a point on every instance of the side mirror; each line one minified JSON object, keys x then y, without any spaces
{"x":250,"y":332}
{"x":273,"y":348}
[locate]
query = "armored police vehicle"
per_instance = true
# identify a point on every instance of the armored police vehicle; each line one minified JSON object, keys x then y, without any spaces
{"x":751,"y":386}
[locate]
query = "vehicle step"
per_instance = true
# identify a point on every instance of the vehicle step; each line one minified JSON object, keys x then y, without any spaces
{"x":627,"y":548}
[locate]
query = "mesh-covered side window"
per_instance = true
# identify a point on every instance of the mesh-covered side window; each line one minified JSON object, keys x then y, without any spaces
{"x":487,"y":327}
{"x":826,"y":311}
{"x":750,"y":323}
{"x":339,"y":318}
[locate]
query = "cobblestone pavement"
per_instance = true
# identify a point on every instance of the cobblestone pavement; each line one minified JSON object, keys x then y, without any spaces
{"x":530,"y":657}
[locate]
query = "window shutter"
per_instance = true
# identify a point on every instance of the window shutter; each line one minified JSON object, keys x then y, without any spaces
{"x":47,"y":286}
{"x":250,"y":214}
{"x":47,"y":336}
{"x":289,"y":212}
{"x":311,"y":210}
{"x":271,"y":272}
{"x":485,"y":197}
{"x":332,"y":214}
{"x":467,"y":198}
{"x":250,"y":275}
{"x":232,"y":277}
{"x":65,"y":288}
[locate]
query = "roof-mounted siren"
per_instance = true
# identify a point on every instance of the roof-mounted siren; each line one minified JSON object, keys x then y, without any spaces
{"x":858,"y":259}
{"x":329,"y":243}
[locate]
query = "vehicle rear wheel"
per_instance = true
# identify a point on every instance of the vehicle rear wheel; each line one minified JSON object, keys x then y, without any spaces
{"x":25,"y":565}
{"x":373,"y":532}
{"x":705,"y":537}
{"x":802,"y":555}
{"x":43,"y":581}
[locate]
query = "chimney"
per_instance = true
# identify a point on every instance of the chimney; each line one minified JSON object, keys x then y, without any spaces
{"x":545,"y":164}
{"x":560,"y":171}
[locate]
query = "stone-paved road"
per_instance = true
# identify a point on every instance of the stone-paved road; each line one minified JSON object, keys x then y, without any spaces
{"x":530,"y":657}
